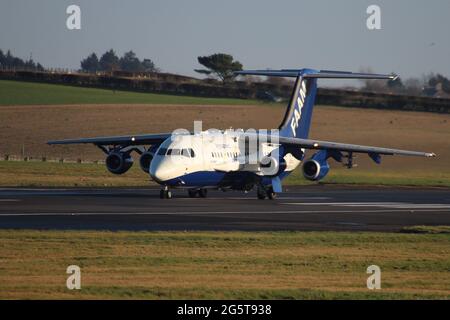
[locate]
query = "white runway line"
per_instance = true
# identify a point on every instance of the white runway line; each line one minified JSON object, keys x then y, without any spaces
{"x":210,"y":212}
{"x":9,"y":200}
{"x":392,"y":205}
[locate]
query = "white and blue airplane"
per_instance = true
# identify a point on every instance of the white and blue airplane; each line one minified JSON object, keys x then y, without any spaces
{"x":238,"y":159}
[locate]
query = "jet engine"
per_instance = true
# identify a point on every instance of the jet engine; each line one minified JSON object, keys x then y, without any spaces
{"x":119,"y":162}
{"x":271,"y":166}
{"x":145,"y":160}
{"x":315,"y":170}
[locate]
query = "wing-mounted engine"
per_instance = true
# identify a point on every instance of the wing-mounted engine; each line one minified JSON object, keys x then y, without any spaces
{"x":146,"y":158}
{"x":317,"y":167}
{"x":119,"y":162}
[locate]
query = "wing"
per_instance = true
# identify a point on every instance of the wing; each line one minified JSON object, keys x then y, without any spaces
{"x":145,"y":139}
{"x":328,"y":145}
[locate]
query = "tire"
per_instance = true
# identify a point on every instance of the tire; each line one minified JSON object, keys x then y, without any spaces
{"x":192,"y":193}
{"x":271,"y":194}
{"x":162,"y":194}
{"x":261,"y":194}
{"x":203,"y":193}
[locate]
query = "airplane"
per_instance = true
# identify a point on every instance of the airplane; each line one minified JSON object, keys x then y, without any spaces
{"x":238,"y":159}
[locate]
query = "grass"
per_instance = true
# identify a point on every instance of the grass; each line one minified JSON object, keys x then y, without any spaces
{"x":427,"y":229}
{"x":377,"y":176}
{"x":216,"y":265}
{"x":50,"y":174}
{"x":30,"y":93}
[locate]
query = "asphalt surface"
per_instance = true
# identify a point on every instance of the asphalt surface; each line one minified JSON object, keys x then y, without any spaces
{"x":300,"y":208}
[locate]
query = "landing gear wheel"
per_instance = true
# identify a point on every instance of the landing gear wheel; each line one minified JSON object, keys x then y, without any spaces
{"x":203,"y":193}
{"x":261,"y":193}
{"x":271,"y":194}
{"x":192,"y":193}
{"x":165,"y":193}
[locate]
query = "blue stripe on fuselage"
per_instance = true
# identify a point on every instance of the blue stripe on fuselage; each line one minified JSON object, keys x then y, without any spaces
{"x":235,"y":180}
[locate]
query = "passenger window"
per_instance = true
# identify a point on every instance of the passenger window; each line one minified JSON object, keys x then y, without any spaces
{"x":192,"y":153}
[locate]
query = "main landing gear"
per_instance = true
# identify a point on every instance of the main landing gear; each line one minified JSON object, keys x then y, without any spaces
{"x":266,"y":192}
{"x":165,"y":193}
{"x":202,"y":193}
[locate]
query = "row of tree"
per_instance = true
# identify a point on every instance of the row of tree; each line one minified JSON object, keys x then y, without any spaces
{"x":8,"y":61}
{"x":430,"y":85}
{"x":219,"y":65}
{"x":109,"y":61}
{"x":223,"y":66}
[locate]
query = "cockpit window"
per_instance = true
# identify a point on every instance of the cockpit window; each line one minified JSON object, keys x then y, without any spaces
{"x":189,"y":153}
{"x":185,"y":153}
{"x":173,"y":152}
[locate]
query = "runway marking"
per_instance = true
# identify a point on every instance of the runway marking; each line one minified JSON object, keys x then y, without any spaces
{"x":211,"y":212}
{"x":392,"y":205}
{"x":9,"y":200}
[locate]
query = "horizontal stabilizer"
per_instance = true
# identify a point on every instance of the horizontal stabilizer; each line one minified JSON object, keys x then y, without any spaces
{"x":325,"y":74}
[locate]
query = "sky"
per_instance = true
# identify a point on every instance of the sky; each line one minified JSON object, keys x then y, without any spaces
{"x":414,"y":39}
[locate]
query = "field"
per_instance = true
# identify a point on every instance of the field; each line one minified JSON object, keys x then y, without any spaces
{"x":191,"y":265}
{"x":29,"y":93}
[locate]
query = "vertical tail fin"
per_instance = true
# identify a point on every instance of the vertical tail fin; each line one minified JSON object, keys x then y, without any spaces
{"x":297,"y":119}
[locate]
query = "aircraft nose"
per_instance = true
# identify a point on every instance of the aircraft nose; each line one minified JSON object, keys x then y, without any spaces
{"x":158,"y":171}
{"x":157,"y":174}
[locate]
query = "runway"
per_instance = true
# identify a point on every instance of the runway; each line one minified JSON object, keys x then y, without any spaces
{"x":312,"y":208}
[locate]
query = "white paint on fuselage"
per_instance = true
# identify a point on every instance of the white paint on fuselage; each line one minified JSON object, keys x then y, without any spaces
{"x":212,"y":151}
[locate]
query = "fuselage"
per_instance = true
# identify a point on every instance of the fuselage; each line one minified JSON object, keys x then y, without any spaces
{"x":215,"y":160}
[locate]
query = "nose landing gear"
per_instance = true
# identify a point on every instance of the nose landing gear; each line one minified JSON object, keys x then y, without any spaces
{"x":165,"y":193}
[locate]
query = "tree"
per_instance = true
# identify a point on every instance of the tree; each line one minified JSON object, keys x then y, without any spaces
{"x":396,"y":85}
{"x":372,"y":84}
{"x":413,"y":87}
{"x":9,"y":61}
{"x":220,"y":64}
{"x":129,"y":62}
{"x":109,"y":61}
{"x":440,"y":79}
{"x":91,"y":63}
{"x":148,"y":66}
